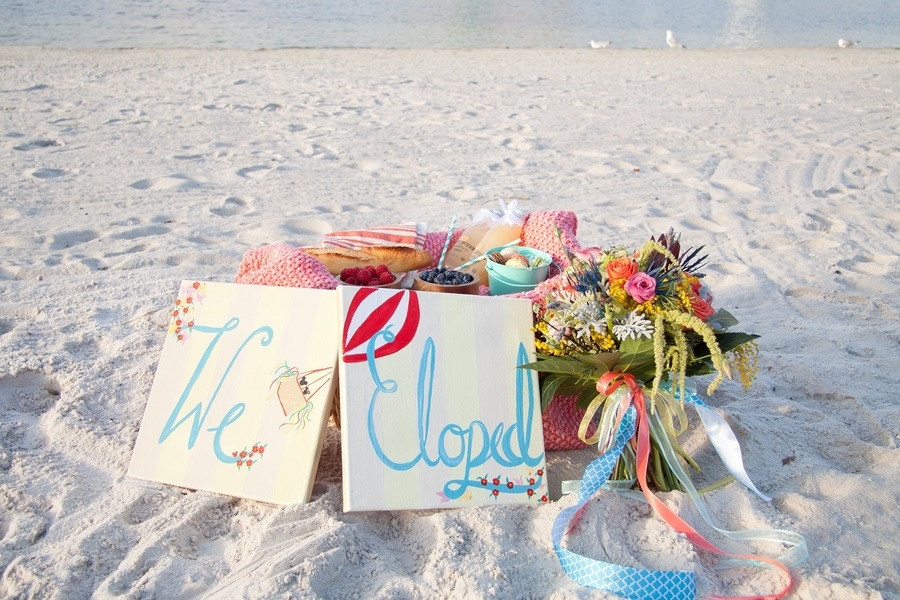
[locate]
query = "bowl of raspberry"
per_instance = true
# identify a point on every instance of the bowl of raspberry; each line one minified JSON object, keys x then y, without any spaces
{"x":378,"y":276}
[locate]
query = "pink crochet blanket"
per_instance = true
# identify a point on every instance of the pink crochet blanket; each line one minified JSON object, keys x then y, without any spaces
{"x":288,"y":266}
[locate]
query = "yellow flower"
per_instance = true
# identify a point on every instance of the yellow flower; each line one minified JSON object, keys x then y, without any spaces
{"x":746,"y":358}
{"x":617,"y":292}
{"x":683,"y":289}
{"x":604,"y":341}
{"x":650,"y":308}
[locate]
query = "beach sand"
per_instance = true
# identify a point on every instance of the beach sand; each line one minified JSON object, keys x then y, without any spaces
{"x":123,"y":172}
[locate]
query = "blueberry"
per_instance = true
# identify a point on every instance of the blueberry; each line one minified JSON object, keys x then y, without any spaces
{"x":445,"y":276}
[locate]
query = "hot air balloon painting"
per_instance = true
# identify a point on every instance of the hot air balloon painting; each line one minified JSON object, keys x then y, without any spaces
{"x":435,"y":412}
{"x":243,"y":392}
{"x":295,"y":391}
{"x":384,"y":321}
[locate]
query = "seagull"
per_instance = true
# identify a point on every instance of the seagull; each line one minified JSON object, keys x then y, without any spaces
{"x":600,"y":44}
{"x":672,"y":41}
{"x":844,"y":43}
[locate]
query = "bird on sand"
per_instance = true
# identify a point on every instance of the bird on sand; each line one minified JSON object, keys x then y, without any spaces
{"x":672,"y":41}
{"x":604,"y":44}
{"x":844,"y":43}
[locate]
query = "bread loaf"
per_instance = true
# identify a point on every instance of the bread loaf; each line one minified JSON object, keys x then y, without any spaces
{"x":397,"y":258}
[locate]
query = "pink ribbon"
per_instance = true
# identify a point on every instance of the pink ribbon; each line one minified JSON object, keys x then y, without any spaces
{"x":608,"y":384}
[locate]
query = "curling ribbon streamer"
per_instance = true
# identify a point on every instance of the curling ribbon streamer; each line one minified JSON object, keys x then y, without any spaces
{"x":637,"y":584}
{"x":642,"y":584}
{"x":724,"y":441}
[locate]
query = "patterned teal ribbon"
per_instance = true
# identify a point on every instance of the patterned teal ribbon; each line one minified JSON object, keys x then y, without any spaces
{"x":663,"y":585}
{"x":628,"y":582}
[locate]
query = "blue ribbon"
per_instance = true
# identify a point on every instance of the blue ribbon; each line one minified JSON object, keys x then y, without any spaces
{"x":644,"y":584}
{"x":628,"y":582}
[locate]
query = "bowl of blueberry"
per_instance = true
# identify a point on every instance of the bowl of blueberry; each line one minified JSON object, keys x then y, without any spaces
{"x":445,"y":280}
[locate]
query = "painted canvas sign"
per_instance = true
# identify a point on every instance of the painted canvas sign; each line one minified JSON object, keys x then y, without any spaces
{"x":243,"y":391}
{"x":434,"y":412}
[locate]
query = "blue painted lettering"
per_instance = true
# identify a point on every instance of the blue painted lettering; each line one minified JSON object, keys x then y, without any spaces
{"x":456,"y":445}
{"x":198,"y":413}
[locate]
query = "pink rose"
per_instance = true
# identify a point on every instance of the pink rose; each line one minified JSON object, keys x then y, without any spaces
{"x":641,"y":287}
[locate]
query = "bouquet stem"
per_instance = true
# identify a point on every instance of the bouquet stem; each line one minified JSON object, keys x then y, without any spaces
{"x":659,"y":475}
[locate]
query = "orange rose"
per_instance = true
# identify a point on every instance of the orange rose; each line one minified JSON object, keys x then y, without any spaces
{"x":621,"y":268}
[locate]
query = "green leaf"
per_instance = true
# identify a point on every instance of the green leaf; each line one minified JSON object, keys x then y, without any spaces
{"x":721,"y":320}
{"x":586,"y":397}
{"x":644,"y":372}
{"x":730,"y":341}
{"x":603,"y":362}
{"x":640,"y":361}
{"x":726,"y":340}
{"x":549,"y":387}
{"x":636,"y":346}
{"x":559,"y":364}
{"x":701,"y":367}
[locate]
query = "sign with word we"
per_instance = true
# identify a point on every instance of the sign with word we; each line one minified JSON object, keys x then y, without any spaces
{"x":243,"y":391}
{"x":434,"y":411}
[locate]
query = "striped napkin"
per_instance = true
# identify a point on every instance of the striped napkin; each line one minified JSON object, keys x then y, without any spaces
{"x":406,"y":234}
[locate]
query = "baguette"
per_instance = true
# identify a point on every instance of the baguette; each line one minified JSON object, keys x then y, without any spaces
{"x":397,"y":258}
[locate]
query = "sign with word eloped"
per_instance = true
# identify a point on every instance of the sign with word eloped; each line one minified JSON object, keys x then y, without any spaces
{"x":434,"y":411}
{"x":242,"y":392}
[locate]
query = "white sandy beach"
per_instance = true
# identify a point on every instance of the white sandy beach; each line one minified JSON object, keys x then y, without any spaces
{"x":123,"y":172}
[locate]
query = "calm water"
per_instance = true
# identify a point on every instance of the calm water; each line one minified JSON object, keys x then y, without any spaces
{"x":446,"y":23}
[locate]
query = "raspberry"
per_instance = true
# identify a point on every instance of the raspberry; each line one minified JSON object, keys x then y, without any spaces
{"x":351,"y":281}
{"x":349,"y":272}
{"x":381,"y":269}
{"x":373,"y":281}
{"x":363,"y":277}
{"x":386,"y":277}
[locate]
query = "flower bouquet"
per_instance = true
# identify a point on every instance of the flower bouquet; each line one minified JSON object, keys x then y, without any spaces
{"x":623,"y":325}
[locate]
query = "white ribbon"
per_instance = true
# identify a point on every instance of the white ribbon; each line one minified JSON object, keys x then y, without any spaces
{"x":508,"y":214}
{"x":726,"y":444}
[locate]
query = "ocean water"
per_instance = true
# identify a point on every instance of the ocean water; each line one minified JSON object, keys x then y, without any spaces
{"x":447,"y":23}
